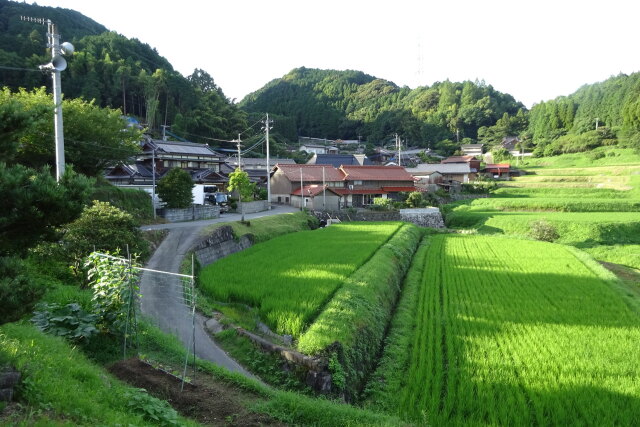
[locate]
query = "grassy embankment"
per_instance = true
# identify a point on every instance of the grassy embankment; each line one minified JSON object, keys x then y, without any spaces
{"x":494,"y":330}
{"x":593,"y":204}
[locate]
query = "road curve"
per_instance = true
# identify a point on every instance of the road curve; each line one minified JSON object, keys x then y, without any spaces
{"x":162,"y":294}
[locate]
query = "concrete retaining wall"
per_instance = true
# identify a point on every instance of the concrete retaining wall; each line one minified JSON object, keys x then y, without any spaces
{"x":253,"y":207}
{"x":220,"y":244}
{"x":193,"y":213}
{"x":360,"y":215}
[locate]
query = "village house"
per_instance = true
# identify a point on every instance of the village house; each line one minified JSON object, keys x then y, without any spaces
{"x":201,"y":161}
{"x":448,"y":172}
{"x":498,"y":170}
{"x":364,"y":183}
{"x":472,"y":149}
{"x":286,"y":179}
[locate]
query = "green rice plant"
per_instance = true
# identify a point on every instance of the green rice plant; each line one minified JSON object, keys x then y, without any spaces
{"x":518,"y":332}
{"x":353,"y":323}
{"x":576,"y":204}
{"x":290,"y":278}
{"x":628,"y":255}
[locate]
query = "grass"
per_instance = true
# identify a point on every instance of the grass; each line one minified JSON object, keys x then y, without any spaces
{"x":266,"y":228}
{"x":59,"y":379}
{"x":289,"y":278}
{"x":515,"y":332}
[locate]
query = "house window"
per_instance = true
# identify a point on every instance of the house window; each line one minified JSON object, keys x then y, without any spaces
{"x":166,"y":163}
{"x":279,"y":199}
{"x":357,"y":182}
{"x":286,"y":199}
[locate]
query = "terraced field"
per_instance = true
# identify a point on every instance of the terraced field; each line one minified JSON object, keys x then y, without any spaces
{"x":290,"y":278}
{"x":500,"y":331}
{"x":595,"y":208}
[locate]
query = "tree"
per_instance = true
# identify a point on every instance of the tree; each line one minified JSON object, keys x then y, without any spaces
{"x":34,"y":205}
{"x":95,"y":137}
{"x":239,"y":181}
{"x":175,"y":189}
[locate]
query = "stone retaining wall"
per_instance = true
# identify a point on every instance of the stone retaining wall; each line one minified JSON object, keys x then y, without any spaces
{"x":193,"y":213}
{"x":220,"y":244}
{"x":426,"y":217}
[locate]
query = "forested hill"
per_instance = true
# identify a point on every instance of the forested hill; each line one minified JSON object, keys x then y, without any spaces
{"x":568,"y":123}
{"x":348,"y":104}
{"x":115,"y":71}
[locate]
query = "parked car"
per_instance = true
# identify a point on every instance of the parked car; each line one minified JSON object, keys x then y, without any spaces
{"x":219,"y":199}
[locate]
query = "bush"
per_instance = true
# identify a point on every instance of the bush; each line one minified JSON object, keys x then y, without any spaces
{"x":102,"y":227}
{"x":18,"y":291}
{"x":382,"y":204}
{"x":544,"y":231}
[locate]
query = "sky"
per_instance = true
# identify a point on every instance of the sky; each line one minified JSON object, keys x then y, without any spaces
{"x":534,"y":50}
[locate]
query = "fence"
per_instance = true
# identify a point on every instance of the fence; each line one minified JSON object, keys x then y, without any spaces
{"x":169,"y":298}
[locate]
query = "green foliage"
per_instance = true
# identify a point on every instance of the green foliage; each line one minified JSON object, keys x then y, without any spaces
{"x":338,"y":377}
{"x":115,"y":285}
{"x":239,"y":181}
{"x":345,"y":104}
{"x":61,"y":379}
{"x":415,"y":199}
{"x":544,"y":231}
{"x":381,"y":203}
{"x":480,"y":321}
{"x":95,"y":137}
{"x":34,"y":205}
{"x":353,"y":322}
{"x":102,"y":227}
{"x":151,"y":408}
{"x":69,"y":321}
{"x":296,"y":278}
{"x":135,"y":202}
{"x":18,"y":290}
{"x":175,"y":188}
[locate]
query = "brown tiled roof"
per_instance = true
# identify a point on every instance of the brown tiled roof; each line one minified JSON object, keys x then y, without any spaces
{"x":311,"y":173}
{"x":398,"y":189}
{"x":376,"y":173}
{"x":312,"y":190}
{"x":344,"y":191}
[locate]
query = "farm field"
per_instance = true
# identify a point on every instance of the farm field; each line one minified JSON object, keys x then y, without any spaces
{"x":501,"y":331}
{"x":290,"y":278}
{"x":592,"y":204}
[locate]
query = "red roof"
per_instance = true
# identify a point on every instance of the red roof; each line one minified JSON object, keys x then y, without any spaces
{"x":313,"y":190}
{"x":458,"y":159}
{"x":398,"y":189}
{"x":344,"y":191}
{"x":310,"y":172}
{"x":497,"y":168}
{"x":376,"y":173}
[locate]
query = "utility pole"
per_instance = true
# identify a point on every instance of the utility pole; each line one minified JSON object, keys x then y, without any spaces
{"x":267,"y":126}
{"x":239,"y":190}
{"x":301,"y":192}
{"x":239,"y":155}
{"x":324,"y":192}
{"x":597,"y":122}
{"x":399,"y":149}
{"x":57,"y":64}
{"x":164,"y":132}
{"x":153,"y":188}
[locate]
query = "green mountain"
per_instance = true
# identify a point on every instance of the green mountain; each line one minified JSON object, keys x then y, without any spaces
{"x":604,"y":113}
{"x":348,"y":104}
{"x":115,"y":71}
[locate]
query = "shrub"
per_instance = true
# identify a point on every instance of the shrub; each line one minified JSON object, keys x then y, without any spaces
{"x":415,"y":200}
{"x":544,"y":231}
{"x":380,"y":203}
{"x":175,"y":189}
{"x":102,"y":227}
{"x":69,"y":321}
{"x":18,"y":291}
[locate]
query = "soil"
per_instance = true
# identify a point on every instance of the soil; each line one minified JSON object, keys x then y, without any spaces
{"x":205,"y":400}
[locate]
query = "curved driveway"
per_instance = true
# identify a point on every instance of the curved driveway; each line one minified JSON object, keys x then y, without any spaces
{"x":162,"y":294}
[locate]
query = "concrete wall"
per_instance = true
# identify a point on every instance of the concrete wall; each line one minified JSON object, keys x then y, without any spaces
{"x":253,"y":207}
{"x":426,"y":217}
{"x":193,"y":213}
{"x":220,"y":244}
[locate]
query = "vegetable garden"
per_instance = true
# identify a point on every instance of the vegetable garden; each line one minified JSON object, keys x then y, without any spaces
{"x":510,"y":332}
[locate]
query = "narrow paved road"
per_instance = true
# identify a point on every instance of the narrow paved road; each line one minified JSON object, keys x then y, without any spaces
{"x":162,"y":297}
